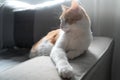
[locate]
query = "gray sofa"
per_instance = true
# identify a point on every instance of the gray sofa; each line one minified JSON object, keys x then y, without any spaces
{"x":20,"y":27}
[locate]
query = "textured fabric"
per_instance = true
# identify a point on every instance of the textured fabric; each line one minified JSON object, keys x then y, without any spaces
{"x":11,"y":57}
{"x":102,"y":69}
{"x":1,"y":9}
{"x":24,"y":24}
{"x":42,"y":68}
{"x":23,"y":28}
{"x":7,"y":26}
{"x":17,"y":26}
{"x":45,"y":22}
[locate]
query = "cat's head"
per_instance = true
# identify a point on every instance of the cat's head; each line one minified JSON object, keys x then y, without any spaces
{"x":73,"y":16}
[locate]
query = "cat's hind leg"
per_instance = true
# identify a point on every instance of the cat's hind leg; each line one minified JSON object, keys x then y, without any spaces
{"x":42,"y":48}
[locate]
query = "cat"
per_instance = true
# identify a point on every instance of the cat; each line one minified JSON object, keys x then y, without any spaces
{"x":68,"y":42}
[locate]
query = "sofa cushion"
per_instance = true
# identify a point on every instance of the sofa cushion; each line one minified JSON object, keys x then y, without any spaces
{"x":39,"y":68}
{"x":42,"y":68}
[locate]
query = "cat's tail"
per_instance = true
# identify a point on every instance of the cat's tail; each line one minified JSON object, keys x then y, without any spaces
{"x":41,"y":48}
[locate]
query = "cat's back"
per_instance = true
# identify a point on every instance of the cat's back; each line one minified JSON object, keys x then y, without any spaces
{"x":44,"y":45}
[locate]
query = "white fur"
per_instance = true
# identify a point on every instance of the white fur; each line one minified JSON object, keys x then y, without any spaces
{"x":43,"y":49}
{"x":73,"y":41}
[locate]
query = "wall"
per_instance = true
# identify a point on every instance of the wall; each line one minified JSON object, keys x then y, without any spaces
{"x":102,"y":16}
{"x":105,"y":16}
{"x":106,"y":22}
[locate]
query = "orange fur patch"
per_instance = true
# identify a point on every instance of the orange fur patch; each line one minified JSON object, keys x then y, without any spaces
{"x":34,"y":47}
{"x":52,"y":36}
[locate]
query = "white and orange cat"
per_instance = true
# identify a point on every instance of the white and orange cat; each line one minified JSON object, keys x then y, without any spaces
{"x":68,"y":42}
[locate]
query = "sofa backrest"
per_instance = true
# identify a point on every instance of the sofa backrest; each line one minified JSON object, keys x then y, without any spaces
{"x":24,"y":27}
{"x":0,"y":26}
{"x":46,"y":19}
{"x":6,"y":26}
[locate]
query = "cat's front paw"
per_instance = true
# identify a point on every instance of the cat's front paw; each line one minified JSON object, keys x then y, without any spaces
{"x":66,"y":72}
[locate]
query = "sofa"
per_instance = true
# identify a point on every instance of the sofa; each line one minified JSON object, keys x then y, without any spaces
{"x":21,"y":27}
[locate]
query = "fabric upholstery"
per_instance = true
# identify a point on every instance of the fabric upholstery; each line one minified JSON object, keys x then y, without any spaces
{"x":46,"y":19}
{"x":44,"y":71}
{"x":12,"y":57}
{"x":23,"y":28}
{"x":102,"y":69}
{"x":1,"y":5}
{"x":42,"y":68}
{"x":8,"y":25}
{"x":24,"y":24}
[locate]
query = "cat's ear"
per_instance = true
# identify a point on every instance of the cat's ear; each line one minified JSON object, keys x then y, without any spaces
{"x":64,"y":8}
{"x":74,"y":4}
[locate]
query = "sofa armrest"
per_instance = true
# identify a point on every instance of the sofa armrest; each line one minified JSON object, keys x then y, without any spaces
{"x":85,"y":66}
{"x":96,"y":63}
